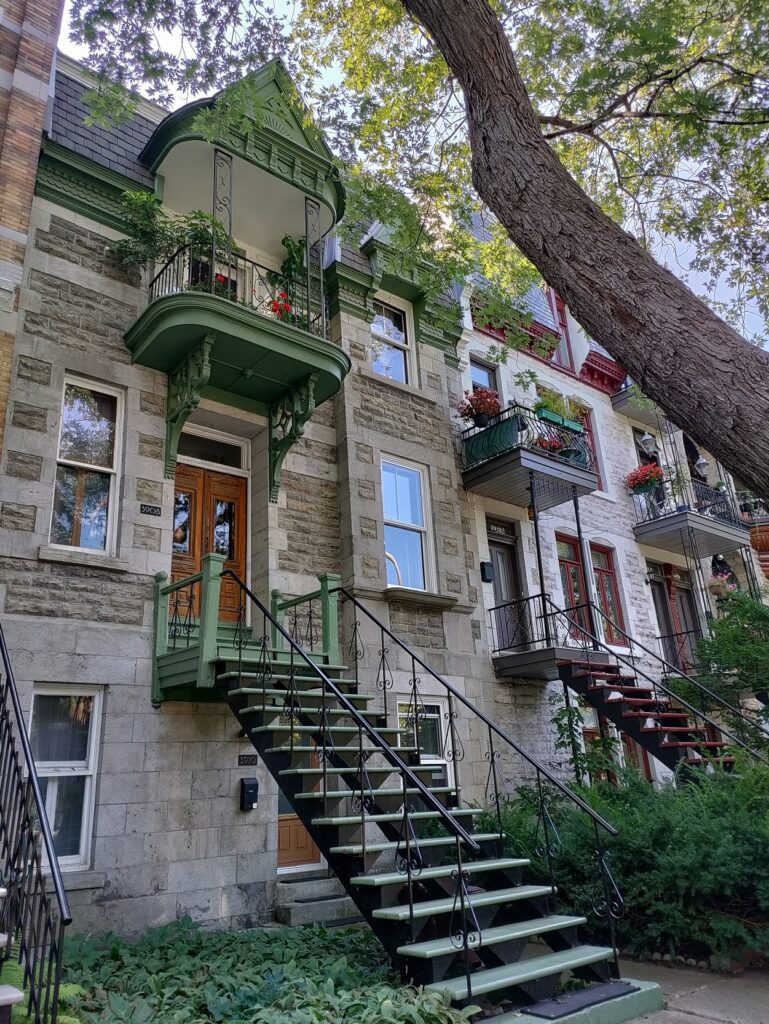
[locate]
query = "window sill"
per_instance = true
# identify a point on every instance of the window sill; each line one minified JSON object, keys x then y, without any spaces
{"x":408,"y":389}
{"x":76,"y":878}
{"x":423,"y":598}
{"x":49,"y":553}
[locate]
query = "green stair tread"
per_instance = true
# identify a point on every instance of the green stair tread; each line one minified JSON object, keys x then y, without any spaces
{"x":356,"y":849}
{"x":493,"y":936}
{"x":343,"y":730}
{"x":354,"y":819}
{"x":478,"y":899}
{"x":286,"y":748}
{"x":442,"y":871}
{"x":522,"y":971}
{"x":246,"y":691}
{"x":354,"y":769}
{"x":338,"y":793}
{"x":279,"y":709}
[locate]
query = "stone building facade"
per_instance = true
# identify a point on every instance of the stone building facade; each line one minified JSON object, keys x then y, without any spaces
{"x":148,"y":811}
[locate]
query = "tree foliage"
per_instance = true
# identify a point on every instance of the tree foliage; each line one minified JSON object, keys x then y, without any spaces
{"x":659,"y":109}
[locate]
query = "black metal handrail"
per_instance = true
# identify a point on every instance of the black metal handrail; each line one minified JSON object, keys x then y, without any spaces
{"x":670,"y":670}
{"x":239,"y":279}
{"x":363,"y":724}
{"x":679,"y":649}
{"x":529,"y":621}
{"x":492,"y":727}
{"x":33,"y":920}
{"x":631,"y":661}
{"x":677,"y":493}
{"x":520,"y":427}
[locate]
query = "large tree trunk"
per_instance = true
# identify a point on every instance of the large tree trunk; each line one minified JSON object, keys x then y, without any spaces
{"x":711,"y":382}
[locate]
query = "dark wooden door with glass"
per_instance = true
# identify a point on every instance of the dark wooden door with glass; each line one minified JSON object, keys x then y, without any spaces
{"x":511,"y":625}
{"x":210,"y":516}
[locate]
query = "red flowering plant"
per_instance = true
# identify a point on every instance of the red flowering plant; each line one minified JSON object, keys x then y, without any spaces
{"x":481,"y":404}
{"x":644,"y":478}
{"x":281,"y":307}
{"x":554,"y":445}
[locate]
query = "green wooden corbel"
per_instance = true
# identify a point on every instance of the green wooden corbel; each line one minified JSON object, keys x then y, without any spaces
{"x":185,"y":386}
{"x":287,"y":420}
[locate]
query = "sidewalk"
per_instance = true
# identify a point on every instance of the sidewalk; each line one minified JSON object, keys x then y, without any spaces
{"x":701,"y":997}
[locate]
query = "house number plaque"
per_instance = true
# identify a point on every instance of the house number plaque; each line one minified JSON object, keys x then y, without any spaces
{"x":247,"y":760}
{"x":150,"y":510}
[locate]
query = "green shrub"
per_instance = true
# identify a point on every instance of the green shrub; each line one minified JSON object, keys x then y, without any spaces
{"x":180,"y":975}
{"x":692,"y":862}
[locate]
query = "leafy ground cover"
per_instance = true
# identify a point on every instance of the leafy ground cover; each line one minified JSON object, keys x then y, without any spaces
{"x":181,"y":975}
{"x":692,"y":861}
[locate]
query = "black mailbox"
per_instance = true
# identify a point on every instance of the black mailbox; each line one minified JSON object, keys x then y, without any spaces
{"x":487,"y":572}
{"x":249,"y":794}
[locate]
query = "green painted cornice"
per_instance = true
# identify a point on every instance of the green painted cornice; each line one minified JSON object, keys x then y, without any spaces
{"x":350,"y":291}
{"x":81,"y":185}
{"x":281,"y":138}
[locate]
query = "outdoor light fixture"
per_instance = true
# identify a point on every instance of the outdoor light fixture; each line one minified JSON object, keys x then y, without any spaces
{"x":701,"y":464}
{"x":647,"y":442}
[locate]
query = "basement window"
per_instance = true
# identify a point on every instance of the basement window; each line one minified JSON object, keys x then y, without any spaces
{"x":64,"y":735}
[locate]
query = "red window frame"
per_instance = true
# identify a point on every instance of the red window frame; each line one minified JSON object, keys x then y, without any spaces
{"x":565,"y":567}
{"x":585,"y":417}
{"x":605,"y":582}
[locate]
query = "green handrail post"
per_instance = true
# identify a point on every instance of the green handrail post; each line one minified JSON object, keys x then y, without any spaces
{"x":329,"y":610}
{"x":161,"y":634}
{"x":210,"y":590}
{"x":279,"y":614}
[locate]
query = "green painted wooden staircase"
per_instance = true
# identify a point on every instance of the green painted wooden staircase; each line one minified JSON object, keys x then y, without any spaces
{"x":454,"y":912}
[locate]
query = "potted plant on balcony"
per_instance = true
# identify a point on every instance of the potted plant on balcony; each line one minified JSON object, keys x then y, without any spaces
{"x":552,"y":445}
{"x":552,"y":408}
{"x":644,"y":478}
{"x":479,"y":406}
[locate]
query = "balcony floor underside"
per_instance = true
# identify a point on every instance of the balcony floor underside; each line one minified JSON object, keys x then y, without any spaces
{"x":542,"y":662}
{"x":508,"y":478}
{"x":713,"y":536}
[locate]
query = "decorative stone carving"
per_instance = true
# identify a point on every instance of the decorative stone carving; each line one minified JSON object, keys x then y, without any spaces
{"x":287,"y":421}
{"x":185,"y":385}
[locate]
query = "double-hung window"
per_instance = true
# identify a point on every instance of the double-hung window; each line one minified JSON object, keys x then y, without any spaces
{"x":64,"y":736}
{"x":86,"y":473}
{"x":428,"y":726}
{"x":390,"y":343}
{"x":405,"y":529}
{"x":483,"y":376}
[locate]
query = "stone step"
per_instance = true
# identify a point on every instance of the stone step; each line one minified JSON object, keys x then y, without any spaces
{"x":522,"y":971}
{"x":317,"y":911}
{"x":292,"y":887}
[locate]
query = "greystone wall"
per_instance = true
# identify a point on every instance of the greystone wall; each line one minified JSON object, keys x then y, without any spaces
{"x":168,"y":837}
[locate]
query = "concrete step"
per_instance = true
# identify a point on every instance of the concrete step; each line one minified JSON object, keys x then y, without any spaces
{"x":317,"y":911}
{"x":642,"y":997}
{"x":303,"y":887}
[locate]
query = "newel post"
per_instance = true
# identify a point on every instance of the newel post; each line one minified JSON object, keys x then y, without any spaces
{"x":161,"y":634}
{"x":279,"y":614}
{"x":329,"y":607}
{"x":210,"y":589}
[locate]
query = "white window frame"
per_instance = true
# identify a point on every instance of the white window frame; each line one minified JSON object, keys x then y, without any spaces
{"x":428,"y":700}
{"x":64,"y":769}
{"x":387,"y":299}
{"x":428,"y":557}
{"x":243,"y":443}
{"x":113,"y":473}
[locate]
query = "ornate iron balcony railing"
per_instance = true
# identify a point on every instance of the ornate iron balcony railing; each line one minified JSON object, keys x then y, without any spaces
{"x":239,"y":279}
{"x":753,"y":510}
{"x":676,"y":494}
{"x":518,"y":427}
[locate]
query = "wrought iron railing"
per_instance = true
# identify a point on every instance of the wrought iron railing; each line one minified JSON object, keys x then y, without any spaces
{"x":584,"y":626}
{"x":679,"y":650}
{"x":519,"y":427}
{"x":33,"y":917}
{"x":678,"y":494}
{"x":312,"y":620}
{"x":423,"y":684}
{"x":753,"y":510}
{"x":531,"y":622}
{"x":239,"y":279}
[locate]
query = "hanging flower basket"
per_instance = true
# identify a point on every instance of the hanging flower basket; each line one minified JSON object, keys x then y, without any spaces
{"x":644,"y":479}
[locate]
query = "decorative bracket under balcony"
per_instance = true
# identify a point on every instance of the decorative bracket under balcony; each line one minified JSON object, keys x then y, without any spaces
{"x":287,"y":420}
{"x":185,"y":386}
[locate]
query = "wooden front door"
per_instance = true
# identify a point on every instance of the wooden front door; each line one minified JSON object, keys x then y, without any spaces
{"x":295,"y":847}
{"x":210,"y":515}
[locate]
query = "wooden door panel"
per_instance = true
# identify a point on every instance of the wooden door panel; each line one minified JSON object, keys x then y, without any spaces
{"x":187,"y":540}
{"x":226,"y":533}
{"x":295,"y":846}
